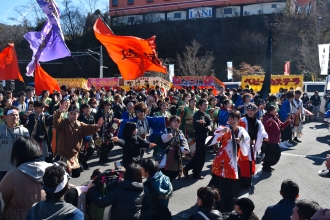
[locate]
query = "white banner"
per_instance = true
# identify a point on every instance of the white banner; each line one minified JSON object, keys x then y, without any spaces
{"x":324,"y":58}
{"x":171,"y":72}
{"x":230,"y":70}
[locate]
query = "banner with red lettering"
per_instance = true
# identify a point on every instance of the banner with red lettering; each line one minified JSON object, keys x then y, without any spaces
{"x":277,"y":81}
{"x":287,"y":68}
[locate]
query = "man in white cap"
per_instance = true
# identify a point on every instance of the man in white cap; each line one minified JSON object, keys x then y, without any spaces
{"x":9,"y":132}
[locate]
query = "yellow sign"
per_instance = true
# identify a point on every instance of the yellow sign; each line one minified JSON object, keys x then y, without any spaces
{"x":73,"y":82}
{"x":277,"y":81}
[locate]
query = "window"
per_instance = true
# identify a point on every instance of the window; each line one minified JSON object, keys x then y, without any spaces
{"x":130,"y":2}
{"x":177,"y":15}
{"x":228,"y":11}
{"x":259,"y":12}
{"x":130,"y":19}
{"x":114,"y":2}
{"x":313,"y":88}
{"x":274,"y":5}
{"x":150,"y":0}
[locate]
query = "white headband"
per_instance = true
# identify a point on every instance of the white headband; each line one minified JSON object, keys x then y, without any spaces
{"x":11,"y":111}
{"x":60,"y":186}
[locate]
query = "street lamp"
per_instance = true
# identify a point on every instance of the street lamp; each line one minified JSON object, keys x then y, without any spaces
{"x":318,"y":29}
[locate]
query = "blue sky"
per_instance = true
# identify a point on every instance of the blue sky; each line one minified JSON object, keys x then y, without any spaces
{"x":7,"y":8}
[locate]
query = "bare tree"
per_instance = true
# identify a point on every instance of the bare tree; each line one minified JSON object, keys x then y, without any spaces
{"x":193,"y":65}
{"x":72,"y":20}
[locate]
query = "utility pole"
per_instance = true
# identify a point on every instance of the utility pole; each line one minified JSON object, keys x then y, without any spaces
{"x":101,"y":62}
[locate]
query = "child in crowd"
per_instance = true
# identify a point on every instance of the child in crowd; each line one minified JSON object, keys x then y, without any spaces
{"x":133,"y":145}
{"x":206,"y":199}
{"x":243,"y":210}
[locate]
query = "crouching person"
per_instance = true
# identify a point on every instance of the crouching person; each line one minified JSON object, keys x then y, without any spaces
{"x":56,"y":183}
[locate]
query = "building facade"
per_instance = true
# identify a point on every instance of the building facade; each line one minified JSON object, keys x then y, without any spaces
{"x":138,"y":11}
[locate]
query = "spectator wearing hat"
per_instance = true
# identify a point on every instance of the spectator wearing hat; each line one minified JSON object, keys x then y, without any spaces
{"x":71,"y":133}
{"x":37,"y":124}
{"x":283,"y":210}
{"x":243,"y":210}
{"x":56,"y":184}
{"x":316,"y":102}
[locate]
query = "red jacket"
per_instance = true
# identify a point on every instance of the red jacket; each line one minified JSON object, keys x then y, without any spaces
{"x":273,"y":129}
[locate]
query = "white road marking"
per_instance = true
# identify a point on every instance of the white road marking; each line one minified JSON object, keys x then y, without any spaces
{"x":306,"y":156}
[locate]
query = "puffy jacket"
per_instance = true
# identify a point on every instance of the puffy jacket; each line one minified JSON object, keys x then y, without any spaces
{"x":209,"y":212}
{"x":273,"y":129}
{"x":163,"y":187}
{"x":126,"y":200}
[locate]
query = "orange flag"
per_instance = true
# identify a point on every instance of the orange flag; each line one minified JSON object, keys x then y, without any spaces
{"x":43,"y":81}
{"x":9,"y":65}
{"x":134,"y":56}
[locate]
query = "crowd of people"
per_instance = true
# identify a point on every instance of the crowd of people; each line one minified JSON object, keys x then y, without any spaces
{"x":49,"y":138}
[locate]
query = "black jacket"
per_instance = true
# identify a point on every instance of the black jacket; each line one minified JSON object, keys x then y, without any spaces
{"x":316,"y":100}
{"x":133,"y":149}
{"x":201,"y":130}
{"x":126,"y":200}
{"x":118,"y":110}
{"x":209,"y":212}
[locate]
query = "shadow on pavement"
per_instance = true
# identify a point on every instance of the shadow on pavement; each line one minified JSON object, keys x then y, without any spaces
{"x":324,"y":139}
{"x":318,"y":158}
{"x":258,"y":177}
{"x":185,"y":213}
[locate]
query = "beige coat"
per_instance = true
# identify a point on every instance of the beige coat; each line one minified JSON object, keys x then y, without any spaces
{"x":70,"y":139}
{"x":19,"y":193}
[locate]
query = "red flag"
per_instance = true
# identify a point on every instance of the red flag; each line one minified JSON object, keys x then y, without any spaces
{"x":287,"y":68}
{"x":8,"y":64}
{"x":43,"y":81}
{"x":134,"y":56}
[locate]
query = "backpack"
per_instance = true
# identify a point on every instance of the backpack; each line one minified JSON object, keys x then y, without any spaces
{"x":159,"y":212}
{"x":104,"y":183}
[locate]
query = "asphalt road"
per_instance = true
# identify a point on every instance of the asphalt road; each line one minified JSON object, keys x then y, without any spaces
{"x":300,"y":163}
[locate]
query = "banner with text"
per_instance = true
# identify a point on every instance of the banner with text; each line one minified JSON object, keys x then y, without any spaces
{"x":148,"y":82}
{"x":277,"y":81}
{"x":73,"y":83}
{"x":324,"y":58}
{"x":103,"y":82}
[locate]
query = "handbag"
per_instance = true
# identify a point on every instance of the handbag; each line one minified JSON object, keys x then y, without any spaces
{"x":161,"y":153}
{"x":160,"y":212}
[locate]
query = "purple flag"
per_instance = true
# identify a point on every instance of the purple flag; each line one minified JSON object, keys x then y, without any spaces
{"x":47,"y":44}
